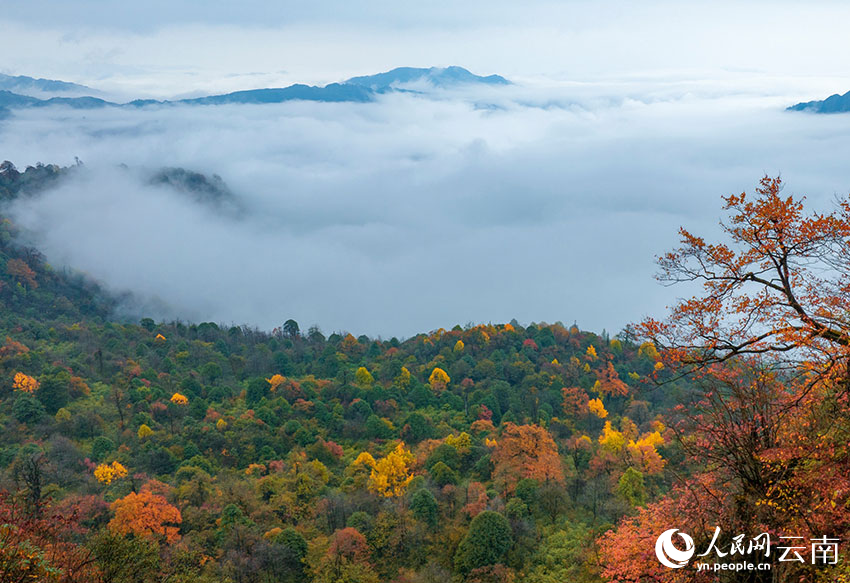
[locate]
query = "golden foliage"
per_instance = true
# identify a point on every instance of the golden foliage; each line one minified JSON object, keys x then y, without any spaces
{"x":597,"y":408}
{"x":391,"y":475}
{"x":275,"y":381}
{"x":645,"y":455}
{"x":364,"y":459}
{"x":403,"y":378}
{"x":648,"y":350}
{"x":144,"y":431}
{"x":25,"y":383}
{"x":611,"y":439}
{"x":108,"y":473}
{"x":179,"y":399}
{"x":363,"y":377}
{"x":462,"y":443}
{"x":439,"y":379}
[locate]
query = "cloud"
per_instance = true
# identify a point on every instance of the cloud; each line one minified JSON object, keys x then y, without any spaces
{"x":162,"y":49}
{"x":537,"y":202}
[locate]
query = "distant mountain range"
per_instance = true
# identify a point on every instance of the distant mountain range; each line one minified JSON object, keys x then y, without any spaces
{"x":832,"y":104}
{"x":356,"y":89}
{"x":28,"y":85}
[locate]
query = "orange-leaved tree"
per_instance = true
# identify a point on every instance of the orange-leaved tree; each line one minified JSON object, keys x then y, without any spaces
{"x":146,"y":514}
{"x":526,"y":451}
{"x":766,"y":343}
{"x":779,"y":286}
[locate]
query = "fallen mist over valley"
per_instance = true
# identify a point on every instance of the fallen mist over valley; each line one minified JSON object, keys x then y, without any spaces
{"x":538,"y":201}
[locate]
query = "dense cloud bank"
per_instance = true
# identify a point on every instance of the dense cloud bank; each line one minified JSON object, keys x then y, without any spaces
{"x":412,"y":213}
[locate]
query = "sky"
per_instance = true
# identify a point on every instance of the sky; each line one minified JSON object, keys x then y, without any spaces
{"x":166,"y":48}
{"x":544,"y":201}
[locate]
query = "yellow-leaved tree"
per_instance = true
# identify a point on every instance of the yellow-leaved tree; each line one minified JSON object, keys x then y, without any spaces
{"x":392,"y":474}
{"x":275,"y":381}
{"x":107,"y":473}
{"x":439,"y":379}
{"x":403,"y":378}
{"x":597,"y":408}
{"x":364,"y":377}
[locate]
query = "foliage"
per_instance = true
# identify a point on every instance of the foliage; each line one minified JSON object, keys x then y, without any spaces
{"x":107,"y":473}
{"x":146,"y":514}
{"x":254,"y":456}
{"x":526,"y":451}
{"x":486,"y":543}
{"x":391,"y":474}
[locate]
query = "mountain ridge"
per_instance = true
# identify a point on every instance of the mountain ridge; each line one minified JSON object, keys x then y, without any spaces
{"x":354,"y":90}
{"x":833,"y":104}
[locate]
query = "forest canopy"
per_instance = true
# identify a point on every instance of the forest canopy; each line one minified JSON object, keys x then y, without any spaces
{"x":485,"y":453}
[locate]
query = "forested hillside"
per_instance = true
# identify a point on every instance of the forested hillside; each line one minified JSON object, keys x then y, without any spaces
{"x":143,"y":451}
{"x":149,"y":451}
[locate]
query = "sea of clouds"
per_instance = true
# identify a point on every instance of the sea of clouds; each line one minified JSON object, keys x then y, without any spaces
{"x":540,"y":201}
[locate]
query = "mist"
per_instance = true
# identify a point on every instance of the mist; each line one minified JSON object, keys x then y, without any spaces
{"x":540,"y":202}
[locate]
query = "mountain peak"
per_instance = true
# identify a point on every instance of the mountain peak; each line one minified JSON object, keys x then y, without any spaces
{"x":442,"y":77}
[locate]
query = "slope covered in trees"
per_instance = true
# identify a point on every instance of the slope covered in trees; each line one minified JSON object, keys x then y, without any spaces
{"x":153,"y":451}
{"x":206,"y":453}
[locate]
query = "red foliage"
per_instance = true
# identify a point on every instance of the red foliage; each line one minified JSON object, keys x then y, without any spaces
{"x":38,"y":546}
{"x":476,"y":499}
{"x":348,"y":543}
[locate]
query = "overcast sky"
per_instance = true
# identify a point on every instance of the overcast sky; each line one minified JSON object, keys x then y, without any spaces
{"x":165,"y":47}
{"x":627,"y":120}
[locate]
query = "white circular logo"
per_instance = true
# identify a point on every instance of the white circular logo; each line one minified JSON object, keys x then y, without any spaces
{"x":669,"y":555}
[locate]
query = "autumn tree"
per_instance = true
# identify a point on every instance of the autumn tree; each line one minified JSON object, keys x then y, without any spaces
{"x":767,"y":344}
{"x":146,"y":514}
{"x":19,"y":269}
{"x":773,"y":312}
{"x":25,"y":383}
{"x":439,"y":379}
{"x":363,"y":377}
{"x":108,"y":473}
{"x":346,"y":560}
{"x":391,"y":474}
{"x":39,"y":547}
{"x":779,"y":286}
{"x":575,"y":403}
{"x":526,"y":451}
{"x":609,"y":382}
